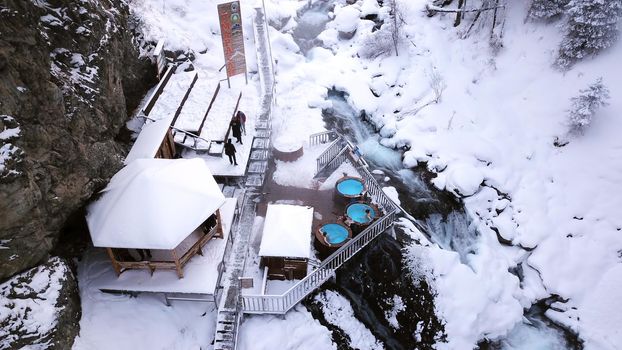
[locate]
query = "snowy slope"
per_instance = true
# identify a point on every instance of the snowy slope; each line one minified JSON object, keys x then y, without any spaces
{"x":495,"y":125}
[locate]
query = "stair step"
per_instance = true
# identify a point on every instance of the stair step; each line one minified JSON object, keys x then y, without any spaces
{"x":257,"y":166}
{"x":259,"y":154}
{"x":261,"y":143}
{"x":262,"y":124}
{"x":228,"y":191}
{"x":254,"y":180}
{"x":263,"y":133}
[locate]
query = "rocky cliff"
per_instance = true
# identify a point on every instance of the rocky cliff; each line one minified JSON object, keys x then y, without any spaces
{"x":69,"y":73}
{"x":40,"y":308}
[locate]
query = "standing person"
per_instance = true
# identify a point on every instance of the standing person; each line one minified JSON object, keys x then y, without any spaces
{"x":230,"y":151}
{"x":235,"y":129}
{"x":242,"y":118}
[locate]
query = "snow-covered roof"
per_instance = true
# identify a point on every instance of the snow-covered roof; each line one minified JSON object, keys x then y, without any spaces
{"x":287,"y":231}
{"x":149,"y":140}
{"x":154,"y":204}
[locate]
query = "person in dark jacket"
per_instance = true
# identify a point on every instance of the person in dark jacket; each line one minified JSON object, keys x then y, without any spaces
{"x":230,"y":151}
{"x":242,"y":118}
{"x":235,"y":129}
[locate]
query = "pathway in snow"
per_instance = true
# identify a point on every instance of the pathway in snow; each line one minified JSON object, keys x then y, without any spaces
{"x":229,"y":312}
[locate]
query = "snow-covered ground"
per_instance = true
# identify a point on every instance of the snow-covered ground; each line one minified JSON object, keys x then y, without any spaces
{"x":490,"y":138}
{"x":495,"y":126}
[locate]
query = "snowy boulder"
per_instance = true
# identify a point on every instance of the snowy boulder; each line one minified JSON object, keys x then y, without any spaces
{"x":464,"y":180}
{"x":346,"y":22}
{"x":40,"y":308}
{"x":391,"y":192}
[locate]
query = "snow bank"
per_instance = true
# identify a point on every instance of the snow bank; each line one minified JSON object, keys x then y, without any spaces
{"x":338,"y":312}
{"x":473,"y":300}
{"x":297,"y":330}
{"x":127,"y":323}
{"x":31,"y":305}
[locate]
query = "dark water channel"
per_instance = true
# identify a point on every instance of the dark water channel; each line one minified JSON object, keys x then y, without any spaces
{"x":375,"y":276}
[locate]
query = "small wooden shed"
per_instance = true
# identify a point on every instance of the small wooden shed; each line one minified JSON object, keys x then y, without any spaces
{"x":157,"y":213}
{"x":286,"y":241}
{"x":154,"y":141}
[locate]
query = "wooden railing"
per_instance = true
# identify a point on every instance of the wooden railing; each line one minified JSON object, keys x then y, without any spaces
{"x":158,"y":90}
{"x":329,"y":154}
{"x":322,"y":137}
{"x":280,"y":304}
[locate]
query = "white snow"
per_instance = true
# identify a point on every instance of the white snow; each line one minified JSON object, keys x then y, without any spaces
{"x":169,"y":101}
{"x":154,"y":204}
{"x":197,"y":105}
{"x":287,"y":231}
{"x":126,"y":323}
{"x":346,"y":18}
{"x":286,"y":143}
{"x":300,"y":172}
{"x":397,"y":307}
{"x":391,"y":192}
{"x":31,"y":310}
{"x":149,"y":140}
{"x":337,"y":311}
{"x":296,"y":330}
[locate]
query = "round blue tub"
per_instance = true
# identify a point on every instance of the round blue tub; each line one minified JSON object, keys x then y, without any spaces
{"x":351,"y":187}
{"x":357,"y":213}
{"x":333,"y":234}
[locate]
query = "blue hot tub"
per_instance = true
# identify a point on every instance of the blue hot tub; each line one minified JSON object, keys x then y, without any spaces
{"x":350,"y":187}
{"x":357,"y":212}
{"x":334,"y":233}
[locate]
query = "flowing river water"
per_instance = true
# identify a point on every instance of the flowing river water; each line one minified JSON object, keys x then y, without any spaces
{"x":370,"y":280}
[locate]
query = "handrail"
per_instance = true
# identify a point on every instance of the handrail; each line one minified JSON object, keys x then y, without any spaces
{"x":323,"y":137}
{"x":329,"y":154}
{"x":284,"y":302}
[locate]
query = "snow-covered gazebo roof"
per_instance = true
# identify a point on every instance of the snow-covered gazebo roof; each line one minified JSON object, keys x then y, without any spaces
{"x":287,"y":231}
{"x":154,"y":204}
{"x":149,"y":140}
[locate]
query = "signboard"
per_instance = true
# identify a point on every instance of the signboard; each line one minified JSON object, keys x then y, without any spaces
{"x":232,"y":37}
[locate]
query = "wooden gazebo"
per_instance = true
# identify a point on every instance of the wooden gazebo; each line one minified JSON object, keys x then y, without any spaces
{"x":157,"y":214}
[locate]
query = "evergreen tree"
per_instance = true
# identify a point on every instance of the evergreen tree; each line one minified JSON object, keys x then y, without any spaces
{"x":584,"y":105}
{"x":546,"y":9}
{"x":591,"y":27}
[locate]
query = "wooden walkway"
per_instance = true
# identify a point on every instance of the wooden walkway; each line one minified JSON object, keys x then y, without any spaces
{"x":229,"y":308}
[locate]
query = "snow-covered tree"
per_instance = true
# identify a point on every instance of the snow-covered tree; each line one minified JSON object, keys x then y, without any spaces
{"x":592,"y":27}
{"x":585,"y":105}
{"x":546,"y":9}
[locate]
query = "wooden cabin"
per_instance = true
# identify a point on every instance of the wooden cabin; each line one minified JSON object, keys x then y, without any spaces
{"x":286,"y":241}
{"x":157,"y":214}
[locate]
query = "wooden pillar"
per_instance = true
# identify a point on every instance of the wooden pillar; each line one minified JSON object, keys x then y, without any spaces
{"x":115,"y":264}
{"x":180,"y":272}
{"x":219,"y":230}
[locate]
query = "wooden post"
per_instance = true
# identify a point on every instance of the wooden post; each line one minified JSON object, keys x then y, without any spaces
{"x":180,"y":272}
{"x":115,"y":264}
{"x":219,"y":231}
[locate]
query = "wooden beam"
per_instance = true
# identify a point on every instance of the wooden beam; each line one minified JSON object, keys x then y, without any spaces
{"x":219,"y":231}
{"x":180,"y":272}
{"x":115,"y":264}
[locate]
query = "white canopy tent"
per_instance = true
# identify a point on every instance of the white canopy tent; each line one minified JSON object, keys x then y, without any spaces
{"x":149,"y":140}
{"x":287,"y":231}
{"x":154,"y":204}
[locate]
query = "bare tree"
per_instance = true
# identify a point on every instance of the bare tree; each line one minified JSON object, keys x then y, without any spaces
{"x":437,"y":85}
{"x":396,"y":24}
